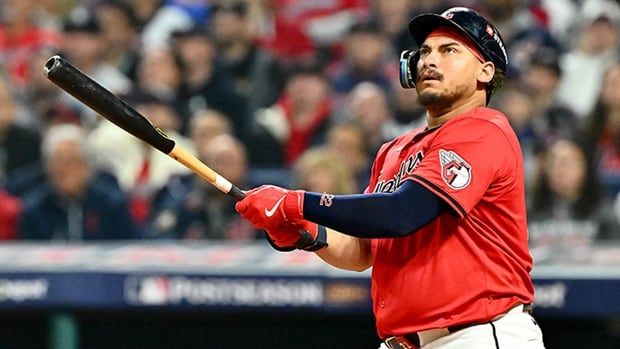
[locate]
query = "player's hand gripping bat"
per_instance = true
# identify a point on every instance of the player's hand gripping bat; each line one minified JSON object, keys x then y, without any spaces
{"x":98,"y":98}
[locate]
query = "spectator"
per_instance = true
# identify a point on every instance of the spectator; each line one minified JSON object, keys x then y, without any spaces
{"x":512,"y":17}
{"x":368,"y":104}
{"x":10,"y":211}
{"x":256,"y":72}
{"x":294,"y":29}
{"x":323,"y":171}
{"x":158,"y":73}
{"x":19,"y":146}
{"x":366,"y":50}
{"x":40,"y":93}
{"x":145,"y":11}
{"x":299,"y":120}
{"x":190,"y":208}
{"x":119,"y":34}
{"x":535,"y":113}
{"x":200,"y":11}
{"x":47,"y":14}
{"x":159,"y":20}
{"x":517,"y":103}
{"x":324,"y":22}
{"x":21,"y":37}
{"x":74,"y":203}
{"x":569,"y":207}
{"x":59,"y":113}
{"x":84,"y":47}
{"x":205,"y":84}
{"x":525,"y":45}
{"x":141,"y":170}
{"x":524,"y":26}
{"x":597,"y":50}
{"x":347,"y":140}
{"x":604,"y":130}
{"x":206,"y":125}
{"x":393,"y":17}
{"x":407,"y":113}
{"x":552,"y":118}
{"x":562,"y":15}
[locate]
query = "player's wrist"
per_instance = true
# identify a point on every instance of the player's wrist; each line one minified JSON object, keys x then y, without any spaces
{"x":313,"y":237}
{"x":293,"y":206}
{"x":307,"y":236}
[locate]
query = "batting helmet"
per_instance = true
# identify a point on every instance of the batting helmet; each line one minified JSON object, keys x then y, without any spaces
{"x":467,"y":21}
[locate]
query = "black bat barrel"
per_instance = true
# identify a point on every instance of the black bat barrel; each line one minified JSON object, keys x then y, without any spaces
{"x":88,"y":91}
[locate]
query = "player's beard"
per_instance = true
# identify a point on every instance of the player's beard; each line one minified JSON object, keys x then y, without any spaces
{"x":437,"y":99}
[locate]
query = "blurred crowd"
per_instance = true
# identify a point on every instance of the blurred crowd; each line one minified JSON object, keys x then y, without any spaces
{"x":290,"y":92}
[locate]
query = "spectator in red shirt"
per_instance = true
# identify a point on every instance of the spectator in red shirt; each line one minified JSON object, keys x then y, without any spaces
{"x":296,"y":28}
{"x":21,"y":38}
{"x":297,"y":121}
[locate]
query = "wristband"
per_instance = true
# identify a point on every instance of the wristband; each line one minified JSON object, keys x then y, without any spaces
{"x":314,"y":245}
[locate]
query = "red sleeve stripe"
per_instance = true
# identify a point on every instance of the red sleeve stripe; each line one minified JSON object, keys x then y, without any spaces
{"x":442,"y":194}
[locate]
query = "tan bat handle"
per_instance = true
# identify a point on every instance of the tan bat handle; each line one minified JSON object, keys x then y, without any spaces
{"x":181,"y":155}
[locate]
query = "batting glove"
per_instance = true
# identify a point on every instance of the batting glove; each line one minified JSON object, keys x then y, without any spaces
{"x":269,"y":206}
{"x":280,"y":213}
{"x":307,"y":236}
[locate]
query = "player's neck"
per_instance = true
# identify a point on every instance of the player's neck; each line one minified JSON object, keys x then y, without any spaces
{"x":437,"y":115}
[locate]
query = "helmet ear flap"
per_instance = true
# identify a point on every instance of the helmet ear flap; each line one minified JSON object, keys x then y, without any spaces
{"x":408,"y":66}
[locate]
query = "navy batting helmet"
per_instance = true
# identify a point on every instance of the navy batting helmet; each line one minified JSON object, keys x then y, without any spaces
{"x":467,"y":21}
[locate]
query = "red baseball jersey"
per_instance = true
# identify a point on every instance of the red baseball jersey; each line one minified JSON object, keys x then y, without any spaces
{"x":468,"y":265}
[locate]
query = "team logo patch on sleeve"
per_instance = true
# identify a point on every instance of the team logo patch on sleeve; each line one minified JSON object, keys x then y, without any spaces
{"x":455,"y":171}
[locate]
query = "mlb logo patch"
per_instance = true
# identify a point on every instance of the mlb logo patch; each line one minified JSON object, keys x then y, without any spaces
{"x":455,"y":171}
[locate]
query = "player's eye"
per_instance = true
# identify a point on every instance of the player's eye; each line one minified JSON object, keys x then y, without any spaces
{"x":451,"y":49}
{"x":424,"y":51}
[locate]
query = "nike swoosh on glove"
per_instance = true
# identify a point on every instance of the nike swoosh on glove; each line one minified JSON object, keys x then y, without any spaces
{"x":280,"y":213}
{"x":269,"y":207}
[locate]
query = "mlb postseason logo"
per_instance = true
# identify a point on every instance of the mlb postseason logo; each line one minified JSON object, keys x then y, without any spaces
{"x":184,"y":290}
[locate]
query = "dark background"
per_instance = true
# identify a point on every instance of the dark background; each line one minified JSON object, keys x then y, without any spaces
{"x":208,"y":329}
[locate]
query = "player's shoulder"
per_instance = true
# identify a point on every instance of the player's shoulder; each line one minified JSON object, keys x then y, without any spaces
{"x":483,"y":119}
{"x":492,"y":116}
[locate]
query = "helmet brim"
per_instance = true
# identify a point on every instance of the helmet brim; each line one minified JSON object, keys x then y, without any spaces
{"x":421,"y":26}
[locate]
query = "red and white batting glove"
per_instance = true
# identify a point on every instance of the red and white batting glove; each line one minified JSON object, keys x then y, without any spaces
{"x":269,"y":206}
{"x":280,"y":213}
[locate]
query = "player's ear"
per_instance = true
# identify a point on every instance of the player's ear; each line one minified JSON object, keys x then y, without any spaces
{"x":486,"y":73}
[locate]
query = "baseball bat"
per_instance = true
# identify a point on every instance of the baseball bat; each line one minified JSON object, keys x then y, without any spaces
{"x":101,"y":100}
{"x":86,"y":90}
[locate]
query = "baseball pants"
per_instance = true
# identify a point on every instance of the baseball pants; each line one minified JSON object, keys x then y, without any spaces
{"x":515,"y":330}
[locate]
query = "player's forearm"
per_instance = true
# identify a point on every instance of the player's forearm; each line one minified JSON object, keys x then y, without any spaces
{"x":346,"y":252}
{"x":376,"y":215}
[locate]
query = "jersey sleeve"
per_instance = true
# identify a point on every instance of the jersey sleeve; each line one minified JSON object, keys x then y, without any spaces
{"x":463,"y":160}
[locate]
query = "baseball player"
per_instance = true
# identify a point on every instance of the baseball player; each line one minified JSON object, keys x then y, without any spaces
{"x":442,"y":222}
